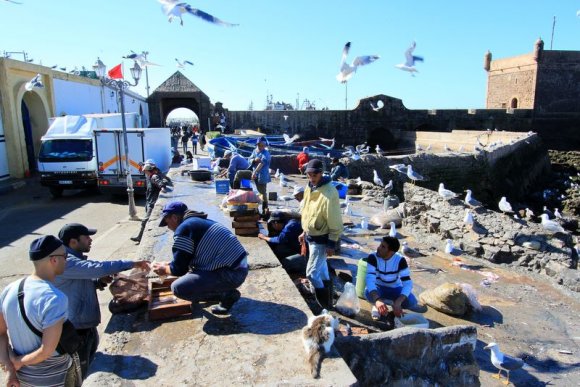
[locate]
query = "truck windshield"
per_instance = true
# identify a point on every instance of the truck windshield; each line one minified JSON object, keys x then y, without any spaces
{"x":66,"y":150}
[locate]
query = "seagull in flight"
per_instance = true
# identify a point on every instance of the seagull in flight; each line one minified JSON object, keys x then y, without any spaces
{"x":401,"y":168}
{"x":410,"y":60}
{"x":34,"y":82}
{"x":346,"y":70}
{"x":140,"y":59}
{"x":289,"y":140}
{"x":173,"y":9}
{"x":503,"y":362}
{"x":378,"y":106}
{"x":181,"y":64}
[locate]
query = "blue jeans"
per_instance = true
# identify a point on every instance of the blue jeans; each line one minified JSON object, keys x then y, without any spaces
{"x":316,"y":268}
{"x":199,"y":285}
{"x":392,"y":294}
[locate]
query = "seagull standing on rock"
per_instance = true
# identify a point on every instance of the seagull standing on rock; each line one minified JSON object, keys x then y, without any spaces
{"x":468,"y":218}
{"x":414,"y":176}
{"x":551,"y":225}
{"x":471,"y":201}
{"x":449,"y":246}
{"x":376,"y":179}
{"x":445,"y":193}
{"x":389,"y":187}
{"x":503,"y":362}
{"x":504,"y":205}
{"x":393,"y":230}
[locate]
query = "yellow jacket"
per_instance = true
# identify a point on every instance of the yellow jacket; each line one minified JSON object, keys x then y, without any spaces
{"x":321,"y":213}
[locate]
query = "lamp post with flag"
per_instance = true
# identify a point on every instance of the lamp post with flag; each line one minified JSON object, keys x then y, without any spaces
{"x":116,"y":81}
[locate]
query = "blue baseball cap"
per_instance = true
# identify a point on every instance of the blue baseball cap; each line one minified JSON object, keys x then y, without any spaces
{"x":42,"y":247}
{"x":172,"y":208}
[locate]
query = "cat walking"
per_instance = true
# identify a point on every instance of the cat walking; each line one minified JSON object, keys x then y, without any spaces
{"x":317,"y":338}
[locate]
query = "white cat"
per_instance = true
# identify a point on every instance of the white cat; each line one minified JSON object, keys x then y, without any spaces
{"x":317,"y":338}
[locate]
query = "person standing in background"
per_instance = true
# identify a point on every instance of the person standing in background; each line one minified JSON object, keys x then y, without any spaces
{"x":260,"y":161}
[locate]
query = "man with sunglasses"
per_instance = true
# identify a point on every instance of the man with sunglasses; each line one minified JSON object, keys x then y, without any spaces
{"x":322,"y":225}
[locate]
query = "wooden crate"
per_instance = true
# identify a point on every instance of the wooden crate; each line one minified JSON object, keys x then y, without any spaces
{"x":247,"y":218}
{"x":244,"y":224}
{"x":247,"y":231}
{"x":163,"y":304}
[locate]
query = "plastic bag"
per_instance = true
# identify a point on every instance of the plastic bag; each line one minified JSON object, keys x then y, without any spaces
{"x":241,"y":196}
{"x":130,"y":292}
{"x":348,"y":303}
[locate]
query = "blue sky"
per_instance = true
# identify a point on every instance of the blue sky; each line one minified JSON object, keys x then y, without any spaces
{"x":292,"y":49}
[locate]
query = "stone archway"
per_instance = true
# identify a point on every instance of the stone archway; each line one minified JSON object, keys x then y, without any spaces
{"x":34,"y":125}
{"x":179,"y":92}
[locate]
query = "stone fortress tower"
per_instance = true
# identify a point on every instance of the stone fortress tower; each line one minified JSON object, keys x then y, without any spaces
{"x":543,"y":80}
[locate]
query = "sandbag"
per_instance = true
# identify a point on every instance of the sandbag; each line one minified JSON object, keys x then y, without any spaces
{"x":447,"y":298}
{"x":130,"y":292}
{"x":384,"y":219}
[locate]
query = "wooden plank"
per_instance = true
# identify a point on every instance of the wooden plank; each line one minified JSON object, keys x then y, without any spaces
{"x":247,"y":218}
{"x":247,"y":231}
{"x":237,"y":213}
{"x":163,"y":304}
{"x":244,"y":225}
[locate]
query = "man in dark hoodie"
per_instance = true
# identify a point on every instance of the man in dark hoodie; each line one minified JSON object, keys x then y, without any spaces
{"x":322,"y":225}
{"x":209,"y":259}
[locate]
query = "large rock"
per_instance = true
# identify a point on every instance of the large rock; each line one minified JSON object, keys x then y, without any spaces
{"x":446,"y":298}
{"x":413,"y":357}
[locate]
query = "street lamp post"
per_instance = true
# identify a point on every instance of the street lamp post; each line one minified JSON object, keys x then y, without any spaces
{"x":120,"y":85}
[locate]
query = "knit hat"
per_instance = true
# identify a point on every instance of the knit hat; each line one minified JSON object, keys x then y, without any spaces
{"x":42,"y":247}
{"x":314,"y":166}
{"x":172,"y":208}
{"x":73,"y":231}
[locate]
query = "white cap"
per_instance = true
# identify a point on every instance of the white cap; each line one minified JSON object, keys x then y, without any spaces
{"x":150,"y":161}
{"x":227,"y":153}
{"x":297,"y":190}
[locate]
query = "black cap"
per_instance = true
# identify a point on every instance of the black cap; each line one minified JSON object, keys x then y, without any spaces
{"x":42,"y":247}
{"x":314,"y":166}
{"x":74,"y":230}
{"x":276,"y":216}
{"x":172,"y":208}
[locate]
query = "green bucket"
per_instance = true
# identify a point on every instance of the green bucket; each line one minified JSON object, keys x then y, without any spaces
{"x":361,"y":278}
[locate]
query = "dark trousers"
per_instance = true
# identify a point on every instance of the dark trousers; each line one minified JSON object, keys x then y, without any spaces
{"x":263,"y":190}
{"x":199,"y":285}
{"x":88,"y":348}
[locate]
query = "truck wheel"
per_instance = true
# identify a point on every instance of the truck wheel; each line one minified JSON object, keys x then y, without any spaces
{"x":56,"y":192}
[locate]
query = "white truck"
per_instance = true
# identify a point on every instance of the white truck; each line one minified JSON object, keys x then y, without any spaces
{"x":68,"y":156}
{"x":150,"y":143}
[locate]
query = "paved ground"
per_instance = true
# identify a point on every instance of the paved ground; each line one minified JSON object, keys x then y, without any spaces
{"x":528,"y":317}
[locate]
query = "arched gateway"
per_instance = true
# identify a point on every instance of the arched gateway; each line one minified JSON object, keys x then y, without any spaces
{"x":178,"y":92}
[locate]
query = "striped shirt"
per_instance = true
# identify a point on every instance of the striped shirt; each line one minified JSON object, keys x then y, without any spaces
{"x":203,"y":244}
{"x":391,"y":273}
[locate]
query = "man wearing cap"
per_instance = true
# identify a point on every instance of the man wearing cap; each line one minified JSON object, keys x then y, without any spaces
{"x":207,"y":257}
{"x":33,"y":360}
{"x":339,"y":170}
{"x":237,"y":163}
{"x":155,"y":182}
{"x":260,"y":161}
{"x":287,"y":231}
{"x":80,"y":281}
{"x":322,"y":226}
{"x":302,"y":159}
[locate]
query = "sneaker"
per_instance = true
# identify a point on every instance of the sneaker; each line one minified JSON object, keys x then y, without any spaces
{"x":228,"y":300}
{"x":375,"y":313}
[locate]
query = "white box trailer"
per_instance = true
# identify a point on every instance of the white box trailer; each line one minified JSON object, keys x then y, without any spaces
{"x":143,"y":144}
{"x":67,"y":158}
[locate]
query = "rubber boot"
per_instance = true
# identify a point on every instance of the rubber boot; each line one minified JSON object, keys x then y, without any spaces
{"x":139,"y":236}
{"x":228,"y":300}
{"x":322,"y":297}
{"x":328,"y":288}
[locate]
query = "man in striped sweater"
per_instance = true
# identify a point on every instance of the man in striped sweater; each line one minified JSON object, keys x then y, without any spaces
{"x":389,"y":279}
{"x":209,"y":259}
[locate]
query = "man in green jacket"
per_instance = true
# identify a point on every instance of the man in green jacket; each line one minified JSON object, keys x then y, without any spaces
{"x":322,"y":225}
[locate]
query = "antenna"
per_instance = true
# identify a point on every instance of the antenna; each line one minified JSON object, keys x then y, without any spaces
{"x":553,"y":28}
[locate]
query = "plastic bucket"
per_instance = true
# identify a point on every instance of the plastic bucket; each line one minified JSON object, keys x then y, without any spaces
{"x":245,"y":183}
{"x":361,"y":278}
{"x":341,"y":188}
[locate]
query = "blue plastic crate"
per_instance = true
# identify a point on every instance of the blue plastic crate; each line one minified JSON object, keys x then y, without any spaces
{"x":341,"y":188}
{"x":222,"y":186}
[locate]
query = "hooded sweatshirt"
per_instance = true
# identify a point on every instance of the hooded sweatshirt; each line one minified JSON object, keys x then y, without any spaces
{"x":321,"y":215}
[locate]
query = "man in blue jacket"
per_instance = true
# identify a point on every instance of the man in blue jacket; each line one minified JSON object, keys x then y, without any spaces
{"x":80,"y":281}
{"x":260,"y":161}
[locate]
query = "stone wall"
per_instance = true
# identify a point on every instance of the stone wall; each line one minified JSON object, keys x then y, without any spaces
{"x":362,"y":124}
{"x":413,"y":357}
{"x":495,"y":237}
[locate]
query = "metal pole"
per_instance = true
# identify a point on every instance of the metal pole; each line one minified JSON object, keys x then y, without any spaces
{"x":345,"y":95}
{"x":553,"y":28}
{"x":147,"y":80}
{"x":130,"y":191}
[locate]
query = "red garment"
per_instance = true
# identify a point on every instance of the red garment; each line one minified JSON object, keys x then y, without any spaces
{"x":302,"y":159}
